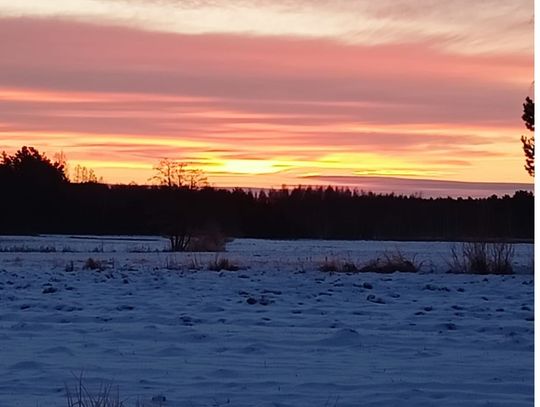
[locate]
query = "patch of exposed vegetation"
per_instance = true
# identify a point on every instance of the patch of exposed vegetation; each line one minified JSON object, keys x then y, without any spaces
{"x":223,"y":263}
{"x":337,"y":266}
{"x":391,"y":262}
{"x":482,"y":258}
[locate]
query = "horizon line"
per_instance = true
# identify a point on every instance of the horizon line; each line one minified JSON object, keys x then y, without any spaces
{"x":428,"y":188}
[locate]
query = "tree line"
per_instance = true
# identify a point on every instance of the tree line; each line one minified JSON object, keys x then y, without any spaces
{"x":37,"y":198}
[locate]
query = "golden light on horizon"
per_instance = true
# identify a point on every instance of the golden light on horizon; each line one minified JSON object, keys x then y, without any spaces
{"x":303,"y":93}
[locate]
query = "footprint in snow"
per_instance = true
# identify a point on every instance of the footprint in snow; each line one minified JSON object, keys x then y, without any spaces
{"x":49,"y":290}
{"x":374,"y":299}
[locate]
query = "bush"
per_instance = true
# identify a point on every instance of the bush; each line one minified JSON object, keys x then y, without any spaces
{"x":482,"y":258}
{"x":209,"y":241}
{"x":179,"y":242}
{"x":392,"y":262}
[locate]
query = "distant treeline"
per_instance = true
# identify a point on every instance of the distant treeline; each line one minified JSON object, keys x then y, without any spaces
{"x":321,"y":213}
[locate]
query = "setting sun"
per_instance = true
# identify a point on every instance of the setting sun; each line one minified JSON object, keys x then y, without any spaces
{"x":282,"y":95}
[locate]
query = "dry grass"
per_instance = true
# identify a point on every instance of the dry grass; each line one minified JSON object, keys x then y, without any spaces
{"x":337,"y":266}
{"x":388,"y":262}
{"x":222,"y":263}
{"x":171,"y":263}
{"x":482,"y":258}
{"x":107,"y":395}
{"x":391,"y":262}
{"x":28,"y":249}
{"x":206,"y":241}
{"x":80,"y":396}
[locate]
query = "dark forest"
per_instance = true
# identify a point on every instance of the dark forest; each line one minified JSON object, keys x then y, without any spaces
{"x":321,"y":213}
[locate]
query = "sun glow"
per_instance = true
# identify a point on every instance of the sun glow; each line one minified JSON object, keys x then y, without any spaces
{"x":249,"y":167}
{"x":270,"y":93}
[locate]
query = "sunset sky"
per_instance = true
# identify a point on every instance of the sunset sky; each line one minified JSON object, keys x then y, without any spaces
{"x":268,"y":92}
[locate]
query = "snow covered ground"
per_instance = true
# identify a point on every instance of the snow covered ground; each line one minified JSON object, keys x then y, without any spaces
{"x":278,"y":332}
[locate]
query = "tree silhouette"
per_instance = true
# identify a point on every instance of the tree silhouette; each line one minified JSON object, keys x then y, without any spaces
{"x":177,"y":216}
{"x":82,"y":175}
{"x":528,"y":142}
{"x":29,"y":167}
{"x":169,"y":173}
{"x":176,"y":174}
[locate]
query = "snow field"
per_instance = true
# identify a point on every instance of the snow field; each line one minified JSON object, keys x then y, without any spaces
{"x":278,"y":332}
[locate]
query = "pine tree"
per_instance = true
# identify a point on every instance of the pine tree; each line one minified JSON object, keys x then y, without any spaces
{"x":528,"y":142}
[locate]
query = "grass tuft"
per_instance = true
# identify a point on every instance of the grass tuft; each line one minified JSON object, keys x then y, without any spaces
{"x":80,"y":396}
{"x":337,"y":266}
{"x":482,"y":258}
{"x":391,"y":262}
{"x":107,"y":395}
{"x":222,"y":263}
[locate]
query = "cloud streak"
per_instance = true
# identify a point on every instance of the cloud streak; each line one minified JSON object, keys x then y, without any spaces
{"x":458,"y":25}
{"x":230,"y":102}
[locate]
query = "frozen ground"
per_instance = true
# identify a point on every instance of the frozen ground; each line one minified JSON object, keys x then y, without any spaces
{"x":278,"y":332}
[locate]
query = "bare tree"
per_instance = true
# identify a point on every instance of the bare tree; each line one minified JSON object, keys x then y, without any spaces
{"x":83,"y":174}
{"x":80,"y":174}
{"x":177,"y":223}
{"x":61,"y":159}
{"x":176,"y":174}
{"x":169,"y":173}
{"x":196,"y":179}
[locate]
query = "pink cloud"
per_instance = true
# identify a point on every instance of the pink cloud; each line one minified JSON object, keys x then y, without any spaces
{"x":253,"y":96}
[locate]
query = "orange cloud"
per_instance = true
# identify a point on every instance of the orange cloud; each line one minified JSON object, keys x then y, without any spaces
{"x":260,"y":110}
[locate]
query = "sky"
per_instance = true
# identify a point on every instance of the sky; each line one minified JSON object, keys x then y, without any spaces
{"x":392,"y":94}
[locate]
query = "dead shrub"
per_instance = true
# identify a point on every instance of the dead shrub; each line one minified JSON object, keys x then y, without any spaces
{"x":482,"y":258}
{"x":178,"y":242}
{"x":210,"y":240}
